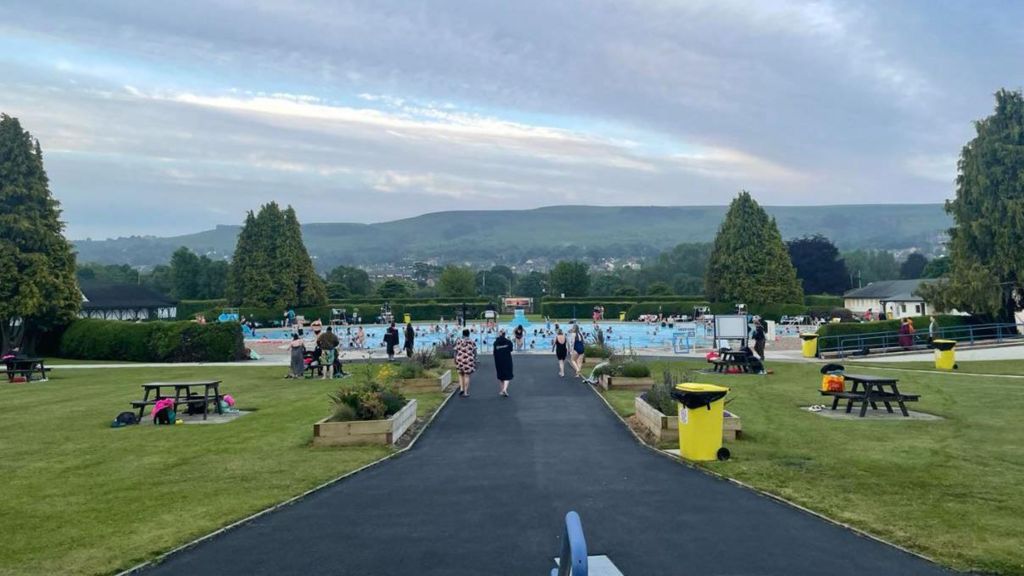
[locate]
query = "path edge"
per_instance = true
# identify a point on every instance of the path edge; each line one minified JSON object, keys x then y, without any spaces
{"x":326,"y":484}
{"x":858,"y":531}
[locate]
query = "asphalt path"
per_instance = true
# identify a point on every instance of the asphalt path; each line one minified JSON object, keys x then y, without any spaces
{"x":486,"y":488}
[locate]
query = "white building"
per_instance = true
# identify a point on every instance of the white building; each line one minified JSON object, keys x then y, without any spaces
{"x":897,"y":298}
{"x":124,"y":302}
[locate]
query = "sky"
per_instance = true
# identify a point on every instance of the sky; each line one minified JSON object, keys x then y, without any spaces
{"x":164,"y":118}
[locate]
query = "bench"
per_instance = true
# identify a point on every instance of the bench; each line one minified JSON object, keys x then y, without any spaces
{"x":873,"y":389}
{"x":26,"y":372}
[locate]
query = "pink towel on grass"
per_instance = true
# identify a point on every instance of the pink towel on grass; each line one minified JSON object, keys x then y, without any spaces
{"x":161,"y":404}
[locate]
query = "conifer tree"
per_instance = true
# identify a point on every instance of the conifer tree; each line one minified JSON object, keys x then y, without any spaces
{"x":749,"y":263}
{"x":271,"y":267}
{"x":38,"y":287}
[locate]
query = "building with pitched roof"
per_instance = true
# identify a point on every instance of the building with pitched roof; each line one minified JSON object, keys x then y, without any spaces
{"x":124,"y":302}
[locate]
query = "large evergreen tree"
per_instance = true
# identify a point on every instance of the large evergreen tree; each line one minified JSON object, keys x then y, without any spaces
{"x":749,"y":262}
{"x":986,"y":243}
{"x":818,"y":265}
{"x":38,"y":288}
{"x":271,"y":267}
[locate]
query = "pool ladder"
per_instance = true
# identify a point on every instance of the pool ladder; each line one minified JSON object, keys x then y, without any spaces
{"x":573,"y":559}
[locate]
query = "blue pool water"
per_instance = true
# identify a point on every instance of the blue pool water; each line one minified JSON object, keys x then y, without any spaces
{"x":619,"y":335}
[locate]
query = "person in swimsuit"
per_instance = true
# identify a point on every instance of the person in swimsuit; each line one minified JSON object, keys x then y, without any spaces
{"x":561,"y":351}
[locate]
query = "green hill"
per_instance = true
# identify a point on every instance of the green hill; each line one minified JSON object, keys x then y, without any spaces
{"x":554,"y":232}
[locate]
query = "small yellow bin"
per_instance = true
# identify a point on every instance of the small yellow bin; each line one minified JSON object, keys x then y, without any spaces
{"x":945,"y":354}
{"x":809,"y":346}
{"x":701,"y":408}
{"x":622,"y":316}
{"x":406,"y":318}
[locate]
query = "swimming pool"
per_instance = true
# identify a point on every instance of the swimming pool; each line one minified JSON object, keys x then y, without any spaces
{"x":619,"y":335}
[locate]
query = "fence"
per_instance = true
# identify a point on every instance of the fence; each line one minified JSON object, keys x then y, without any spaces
{"x":846,"y":344}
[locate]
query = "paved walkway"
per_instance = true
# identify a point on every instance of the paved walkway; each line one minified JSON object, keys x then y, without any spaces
{"x":485,"y":490}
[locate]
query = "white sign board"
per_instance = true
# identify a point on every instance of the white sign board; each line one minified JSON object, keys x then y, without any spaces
{"x":731,"y":327}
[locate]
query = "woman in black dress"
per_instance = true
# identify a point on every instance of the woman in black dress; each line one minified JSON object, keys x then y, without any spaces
{"x":410,"y":336}
{"x":391,"y":340}
{"x":503,"y":361}
{"x":561,"y":347}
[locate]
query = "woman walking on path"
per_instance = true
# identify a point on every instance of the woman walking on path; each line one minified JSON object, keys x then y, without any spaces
{"x":298,"y":349}
{"x":579,"y":347}
{"x":410,"y":337}
{"x":503,"y":361}
{"x":561,"y":351}
{"x":465,"y":361}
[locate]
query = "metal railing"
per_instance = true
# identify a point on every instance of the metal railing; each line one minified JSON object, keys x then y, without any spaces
{"x":847,"y":344}
{"x":573,"y":559}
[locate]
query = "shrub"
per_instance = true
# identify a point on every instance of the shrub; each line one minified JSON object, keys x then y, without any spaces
{"x":660,"y":394}
{"x":90,"y":339}
{"x":427,"y":358}
{"x":409,"y":370}
{"x":596,"y":351}
{"x":633,"y":370}
{"x":368,"y":401}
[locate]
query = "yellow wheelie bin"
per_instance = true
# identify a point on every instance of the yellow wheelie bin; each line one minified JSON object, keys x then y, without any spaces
{"x":701,"y":408}
{"x":945,"y":354}
{"x":406,"y":318}
{"x":809,"y":346}
{"x":622,"y":316}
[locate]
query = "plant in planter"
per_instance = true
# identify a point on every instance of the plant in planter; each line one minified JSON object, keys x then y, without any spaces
{"x":657,"y":411}
{"x":427,"y":358}
{"x":422,"y":373}
{"x":368,"y":413}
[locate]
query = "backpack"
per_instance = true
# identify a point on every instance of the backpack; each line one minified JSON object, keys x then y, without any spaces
{"x":124,"y":419}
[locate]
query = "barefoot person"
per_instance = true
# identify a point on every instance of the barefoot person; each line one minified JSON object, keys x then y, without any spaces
{"x":503,"y":361}
{"x":298,"y":349}
{"x":561,"y":347}
{"x":410,"y":338}
{"x":465,"y":361}
{"x":579,"y":349}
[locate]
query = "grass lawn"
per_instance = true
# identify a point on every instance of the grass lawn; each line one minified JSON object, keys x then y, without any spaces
{"x":79,"y":497}
{"x":1006,"y":367}
{"x":952,"y":489}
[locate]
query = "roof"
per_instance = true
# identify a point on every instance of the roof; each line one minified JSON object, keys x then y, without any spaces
{"x":103,"y":295}
{"x":895,"y":290}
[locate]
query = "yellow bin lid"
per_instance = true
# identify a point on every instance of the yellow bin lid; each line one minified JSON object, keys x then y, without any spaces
{"x":694,"y":387}
{"x":942,"y":341}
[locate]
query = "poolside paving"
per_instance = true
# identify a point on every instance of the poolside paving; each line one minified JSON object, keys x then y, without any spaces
{"x":486,"y":488}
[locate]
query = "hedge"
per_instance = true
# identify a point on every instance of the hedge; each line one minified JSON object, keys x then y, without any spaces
{"x":89,"y":339}
{"x":368,"y":311}
{"x":187,"y":309}
{"x":584,"y":308}
{"x":829,"y":333}
{"x":824,"y":301}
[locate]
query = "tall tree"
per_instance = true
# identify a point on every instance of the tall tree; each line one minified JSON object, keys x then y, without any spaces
{"x":569,"y":278}
{"x":271,"y":267}
{"x":186,"y":273}
{"x":456,"y":282}
{"x":394,"y":288}
{"x":532,"y":285}
{"x":867,"y":266}
{"x":986,"y":243}
{"x":818,"y":265}
{"x":913,"y":267}
{"x":749,"y":262}
{"x":355,"y":280}
{"x":38,"y":288}
{"x":936,"y":268}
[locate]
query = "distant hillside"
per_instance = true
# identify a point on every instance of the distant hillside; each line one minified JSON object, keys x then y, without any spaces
{"x":555,"y":232}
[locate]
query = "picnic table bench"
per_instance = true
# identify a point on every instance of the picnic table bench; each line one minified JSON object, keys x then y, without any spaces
{"x":872,"y":390}
{"x":179,"y":388}
{"x":734,"y":358}
{"x":26,"y":367}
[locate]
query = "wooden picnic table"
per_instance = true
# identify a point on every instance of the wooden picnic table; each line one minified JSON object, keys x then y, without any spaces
{"x":208,"y":386}
{"x":26,"y":367}
{"x":871,"y":390}
{"x":739,"y":358}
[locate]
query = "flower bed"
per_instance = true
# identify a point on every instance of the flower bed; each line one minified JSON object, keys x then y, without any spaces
{"x":387,"y":431}
{"x":666,"y":428}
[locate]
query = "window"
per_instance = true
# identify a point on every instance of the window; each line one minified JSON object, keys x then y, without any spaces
{"x":917,"y":308}
{"x":903,"y":307}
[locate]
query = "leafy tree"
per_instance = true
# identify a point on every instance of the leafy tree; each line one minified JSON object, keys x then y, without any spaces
{"x":160,"y":279}
{"x":627,"y":292}
{"x":913,"y":267}
{"x":605,"y":284}
{"x":532,"y":285}
{"x":986,"y":243}
{"x":818,"y":265}
{"x":271,"y":267}
{"x":394,"y":288}
{"x":936,"y":268}
{"x":749,"y":262}
{"x":456,"y":281}
{"x":185,"y":272}
{"x":114,"y":273}
{"x":570,"y":278}
{"x":866,"y":266}
{"x":354,"y":281}
{"x":659,"y":288}
{"x":38,"y":288}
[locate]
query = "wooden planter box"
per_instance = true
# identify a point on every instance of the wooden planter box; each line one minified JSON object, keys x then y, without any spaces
{"x":622,"y":383}
{"x":665,"y":427}
{"x":432,"y":384}
{"x":365,"y":431}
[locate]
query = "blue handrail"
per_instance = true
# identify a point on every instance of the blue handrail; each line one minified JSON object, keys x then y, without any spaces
{"x":573,"y":559}
{"x":847,"y":343}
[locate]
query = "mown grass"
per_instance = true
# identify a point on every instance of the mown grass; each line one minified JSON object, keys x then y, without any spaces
{"x":78,"y":497}
{"x":951,"y":489}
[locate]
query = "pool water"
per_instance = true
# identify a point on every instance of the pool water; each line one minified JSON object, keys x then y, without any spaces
{"x":619,"y":335}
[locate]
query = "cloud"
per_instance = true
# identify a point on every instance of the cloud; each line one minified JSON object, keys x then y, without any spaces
{"x":375,"y":109}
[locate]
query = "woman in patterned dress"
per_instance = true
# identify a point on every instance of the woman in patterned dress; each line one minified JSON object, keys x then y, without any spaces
{"x":465,"y":361}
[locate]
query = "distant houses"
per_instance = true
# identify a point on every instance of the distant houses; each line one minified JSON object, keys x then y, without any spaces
{"x":108,"y":301}
{"x":898,"y":298}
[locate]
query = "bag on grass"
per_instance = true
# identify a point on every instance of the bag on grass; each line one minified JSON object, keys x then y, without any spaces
{"x":124,"y":419}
